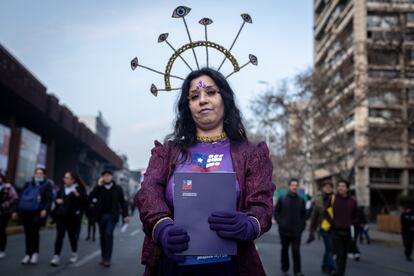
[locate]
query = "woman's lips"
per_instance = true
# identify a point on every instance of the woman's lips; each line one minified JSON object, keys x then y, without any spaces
{"x":205,"y":110}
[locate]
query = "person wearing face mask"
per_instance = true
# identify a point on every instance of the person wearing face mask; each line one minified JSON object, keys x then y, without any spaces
{"x":70,"y":202}
{"x":33,"y":206}
{"x":8,"y":199}
{"x":109,"y":199}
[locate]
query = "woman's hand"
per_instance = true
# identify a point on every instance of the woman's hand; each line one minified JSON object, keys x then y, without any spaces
{"x":234,"y":225}
{"x":76,"y":193}
{"x":173,"y":239}
{"x":43,"y":213}
{"x":59,"y":201}
{"x":14,"y":216}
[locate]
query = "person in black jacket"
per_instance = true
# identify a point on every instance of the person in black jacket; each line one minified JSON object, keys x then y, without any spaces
{"x":70,"y":203}
{"x":34,"y":206}
{"x":109,"y":199}
{"x":407,"y":231}
{"x":8,"y":199}
{"x":290,"y":214}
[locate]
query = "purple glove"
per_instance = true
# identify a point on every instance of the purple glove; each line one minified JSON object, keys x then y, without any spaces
{"x":173,"y":239}
{"x":234,"y":225}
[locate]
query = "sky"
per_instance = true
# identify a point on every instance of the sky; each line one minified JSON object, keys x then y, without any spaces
{"x":81,"y":51}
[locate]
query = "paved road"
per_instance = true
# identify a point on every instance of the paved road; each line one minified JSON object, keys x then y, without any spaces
{"x":377,"y":259}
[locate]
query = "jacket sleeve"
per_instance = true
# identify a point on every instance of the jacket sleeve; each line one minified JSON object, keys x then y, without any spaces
{"x":354,"y":212}
{"x":150,"y":198}
{"x":259,"y":186}
{"x":47,"y":197}
{"x":314,"y":221}
{"x":82,"y":199}
{"x":277,"y":210}
{"x":94,"y":195}
{"x":303,"y":214}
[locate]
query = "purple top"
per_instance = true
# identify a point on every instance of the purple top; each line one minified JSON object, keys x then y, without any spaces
{"x":205,"y":157}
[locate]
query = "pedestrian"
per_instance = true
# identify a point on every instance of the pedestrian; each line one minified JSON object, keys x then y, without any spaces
{"x":208,"y":122}
{"x":344,"y":216}
{"x":91,"y":216}
{"x":33,"y":207}
{"x":70,"y":201}
{"x":110,"y":201}
{"x":407,"y":231}
{"x":8,"y":200}
{"x":319,"y":223}
{"x":290,"y":214}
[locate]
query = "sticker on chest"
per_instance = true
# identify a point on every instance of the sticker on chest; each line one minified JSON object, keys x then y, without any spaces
{"x":204,"y":162}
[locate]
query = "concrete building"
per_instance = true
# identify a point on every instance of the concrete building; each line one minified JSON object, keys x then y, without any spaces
{"x":98,"y":125}
{"x":364,"y":49}
{"x":38,"y":131}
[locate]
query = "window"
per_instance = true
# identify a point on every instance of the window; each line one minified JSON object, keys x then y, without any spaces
{"x":384,"y":176}
{"x":378,"y":57}
{"x":411,"y":95}
{"x":391,"y":116}
{"x":383,"y":97}
{"x":410,"y":17}
{"x":375,"y":73}
{"x":411,"y":177}
{"x":382,"y":21}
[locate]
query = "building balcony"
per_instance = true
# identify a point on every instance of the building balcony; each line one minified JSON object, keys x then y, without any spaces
{"x":335,"y":32}
{"x":387,"y":5}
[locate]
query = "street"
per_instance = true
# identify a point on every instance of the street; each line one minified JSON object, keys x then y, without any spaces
{"x":376,"y":259}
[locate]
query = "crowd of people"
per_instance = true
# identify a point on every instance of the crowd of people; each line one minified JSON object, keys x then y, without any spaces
{"x":65,"y":205}
{"x":334,"y":218}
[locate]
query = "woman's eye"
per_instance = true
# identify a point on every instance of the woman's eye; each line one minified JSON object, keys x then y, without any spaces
{"x":193,"y":97}
{"x":211,"y":92}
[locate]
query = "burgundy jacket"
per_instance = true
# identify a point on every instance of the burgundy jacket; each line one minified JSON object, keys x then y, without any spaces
{"x":254,"y":172}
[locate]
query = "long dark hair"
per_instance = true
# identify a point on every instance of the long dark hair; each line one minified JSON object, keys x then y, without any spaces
{"x":184,"y":134}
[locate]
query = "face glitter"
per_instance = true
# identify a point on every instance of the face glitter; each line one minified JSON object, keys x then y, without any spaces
{"x":201,"y":84}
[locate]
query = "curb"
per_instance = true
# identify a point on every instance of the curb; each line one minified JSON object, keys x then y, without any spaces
{"x":387,"y":242}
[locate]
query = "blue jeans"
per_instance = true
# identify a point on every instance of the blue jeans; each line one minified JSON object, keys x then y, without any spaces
{"x":106,"y":230}
{"x":328,"y":262}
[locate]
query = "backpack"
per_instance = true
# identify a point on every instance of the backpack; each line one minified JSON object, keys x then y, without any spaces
{"x":30,"y":200}
{"x":326,"y":225}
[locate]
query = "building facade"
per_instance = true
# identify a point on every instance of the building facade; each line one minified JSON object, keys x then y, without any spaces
{"x":364,"y":49}
{"x":37,"y":131}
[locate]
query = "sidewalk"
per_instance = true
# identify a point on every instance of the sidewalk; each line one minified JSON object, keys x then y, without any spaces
{"x":384,"y":237}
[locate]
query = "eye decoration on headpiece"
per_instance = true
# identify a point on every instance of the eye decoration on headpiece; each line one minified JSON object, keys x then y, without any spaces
{"x":182,"y":12}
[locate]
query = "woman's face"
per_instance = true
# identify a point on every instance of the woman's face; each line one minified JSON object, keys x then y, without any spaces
{"x":68,"y":179}
{"x":206,"y":104}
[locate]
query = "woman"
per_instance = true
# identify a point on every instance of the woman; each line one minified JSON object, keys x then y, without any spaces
{"x":208,"y":122}
{"x":70,"y":202}
{"x":8,"y":199}
{"x":34,"y":206}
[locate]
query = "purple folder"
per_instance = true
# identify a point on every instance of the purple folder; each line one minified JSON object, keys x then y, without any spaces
{"x":196,"y":196}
